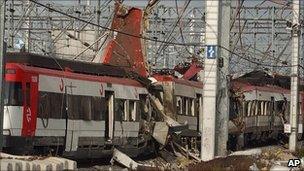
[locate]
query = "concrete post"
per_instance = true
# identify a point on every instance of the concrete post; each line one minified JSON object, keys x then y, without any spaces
{"x":210,"y":80}
{"x":294,"y":91}
{"x":223,"y":88}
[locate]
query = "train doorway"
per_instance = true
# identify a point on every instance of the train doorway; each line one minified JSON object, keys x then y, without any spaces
{"x":109,"y":119}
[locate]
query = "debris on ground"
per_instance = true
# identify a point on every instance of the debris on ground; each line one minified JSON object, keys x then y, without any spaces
{"x":251,"y":152}
{"x":125,"y":160}
{"x":16,"y":162}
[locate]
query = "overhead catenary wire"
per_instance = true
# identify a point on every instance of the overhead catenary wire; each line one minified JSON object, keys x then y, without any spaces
{"x":154,"y":40}
{"x":163,"y":45}
{"x":110,"y":29}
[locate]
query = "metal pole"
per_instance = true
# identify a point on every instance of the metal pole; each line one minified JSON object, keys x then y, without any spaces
{"x":98,"y":12}
{"x":2,"y":66}
{"x":210,"y":81}
{"x":294,"y":104}
{"x":272,"y":36}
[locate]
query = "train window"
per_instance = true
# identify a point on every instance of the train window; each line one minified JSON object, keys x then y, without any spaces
{"x":98,"y":108}
{"x":300,"y":108}
{"x":44,"y":105}
{"x":73,"y":107}
{"x":57,"y":105}
{"x":143,"y":107}
{"x":86,"y":108}
{"x":179,"y":105}
{"x":249,"y":108}
{"x":51,"y":105}
{"x":184,"y":106}
{"x":132,"y":110}
{"x":190,"y":107}
{"x":197,"y":104}
{"x":13,"y":94}
{"x":27,"y":94}
{"x":119,"y":110}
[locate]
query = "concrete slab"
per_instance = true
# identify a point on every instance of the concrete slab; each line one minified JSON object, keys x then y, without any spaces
{"x":14,"y":162}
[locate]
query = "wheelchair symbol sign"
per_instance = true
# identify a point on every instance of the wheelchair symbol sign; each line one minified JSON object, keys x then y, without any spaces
{"x":211,"y":51}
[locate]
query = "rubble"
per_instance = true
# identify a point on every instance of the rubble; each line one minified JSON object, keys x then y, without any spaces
{"x":254,"y":167}
{"x":250,"y":152}
{"x":14,"y":162}
{"x":125,"y":160}
{"x":279,"y":168}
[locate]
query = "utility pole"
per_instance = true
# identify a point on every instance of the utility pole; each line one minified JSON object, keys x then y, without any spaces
{"x":2,"y":66}
{"x":223,"y":88}
{"x":210,"y":80}
{"x":294,"y":89}
{"x":28,"y":24}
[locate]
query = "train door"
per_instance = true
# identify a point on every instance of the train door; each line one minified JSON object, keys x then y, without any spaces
{"x":109,"y":119}
{"x":30,"y":93}
{"x":71,"y":119}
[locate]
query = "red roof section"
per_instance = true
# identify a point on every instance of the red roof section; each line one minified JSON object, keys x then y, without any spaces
{"x":125,"y":50}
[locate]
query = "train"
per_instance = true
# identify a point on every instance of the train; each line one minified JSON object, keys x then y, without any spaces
{"x":260,"y":107}
{"x":74,"y":109}
{"x":85,"y":110}
{"x":258,"y":110}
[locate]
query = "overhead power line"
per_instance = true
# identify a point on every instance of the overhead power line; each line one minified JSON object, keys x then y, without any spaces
{"x":160,"y":41}
{"x":110,"y":29}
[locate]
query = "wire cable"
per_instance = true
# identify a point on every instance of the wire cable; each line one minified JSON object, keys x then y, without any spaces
{"x":110,"y":29}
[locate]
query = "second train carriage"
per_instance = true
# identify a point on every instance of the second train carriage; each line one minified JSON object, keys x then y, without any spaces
{"x":259,"y":108}
{"x":182,"y":101}
{"x":72,"y":111}
{"x":257,"y":112}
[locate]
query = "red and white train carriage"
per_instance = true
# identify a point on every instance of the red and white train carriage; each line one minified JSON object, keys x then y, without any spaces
{"x":182,"y":101}
{"x":259,"y":108}
{"x":72,"y":110}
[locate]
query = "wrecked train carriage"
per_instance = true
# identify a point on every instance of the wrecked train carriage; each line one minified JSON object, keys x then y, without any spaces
{"x":259,"y":108}
{"x":182,"y":101}
{"x":77,"y":109}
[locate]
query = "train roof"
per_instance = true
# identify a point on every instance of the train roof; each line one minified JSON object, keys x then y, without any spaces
{"x":73,"y":66}
{"x":170,"y":78}
{"x":263,"y":79}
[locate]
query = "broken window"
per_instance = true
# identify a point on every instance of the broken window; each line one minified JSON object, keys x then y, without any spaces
{"x":132,"y":110}
{"x":143,"y":107}
{"x":179,"y":105}
{"x":119,"y":109}
{"x":184,"y":106}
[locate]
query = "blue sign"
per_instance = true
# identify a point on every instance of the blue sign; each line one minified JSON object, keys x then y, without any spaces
{"x":211,"y":51}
